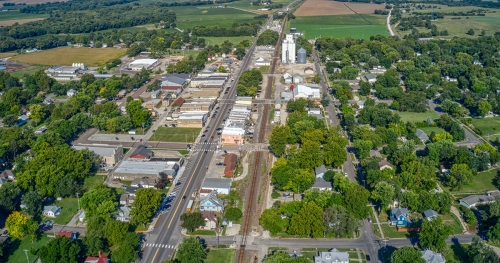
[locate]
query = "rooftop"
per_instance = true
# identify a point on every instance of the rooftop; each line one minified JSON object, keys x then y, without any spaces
{"x":217,"y":183}
{"x":102,"y":149}
{"x":133,"y":167}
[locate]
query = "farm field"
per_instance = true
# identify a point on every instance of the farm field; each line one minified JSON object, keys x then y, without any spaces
{"x":190,"y":16}
{"x":16,"y":15}
{"x":220,"y":40}
{"x":247,"y":4}
{"x":7,"y":54}
{"x":164,"y":134}
{"x":459,"y":27}
{"x":69,"y":55}
{"x":354,"y":26}
{"x":417,"y":116}
{"x":328,"y":7}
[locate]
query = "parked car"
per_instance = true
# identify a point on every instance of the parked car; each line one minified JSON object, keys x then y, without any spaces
{"x":219,"y":164}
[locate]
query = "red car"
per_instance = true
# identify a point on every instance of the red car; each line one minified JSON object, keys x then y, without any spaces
{"x":205,"y":131}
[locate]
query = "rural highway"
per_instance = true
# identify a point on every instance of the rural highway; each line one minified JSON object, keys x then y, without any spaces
{"x":161,"y":242}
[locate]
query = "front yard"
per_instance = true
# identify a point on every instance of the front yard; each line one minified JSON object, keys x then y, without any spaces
{"x":16,"y":254}
{"x":69,"y":208}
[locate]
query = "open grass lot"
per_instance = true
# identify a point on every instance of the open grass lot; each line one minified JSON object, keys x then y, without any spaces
{"x":247,"y":4}
{"x":417,"y":116}
{"x":392,"y":232}
{"x":459,"y":27}
{"x":15,"y":14}
{"x":482,"y":182}
{"x":355,"y":26}
{"x":328,"y":7}
{"x":220,"y":256}
{"x":203,"y":233}
{"x":453,"y":221}
{"x":69,"y":55}
{"x":29,"y":71}
{"x":16,"y":254}
{"x":92,"y":181}
{"x":7,"y":54}
{"x":165,"y":134}
{"x":429,"y":130}
{"x":69,"y":208}
{"x":190,"y":16}
{"x":487,"y":126}
{"x":220,"y":40}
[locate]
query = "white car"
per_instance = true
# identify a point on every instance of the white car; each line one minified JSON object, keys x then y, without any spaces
{"x":346,"y":175}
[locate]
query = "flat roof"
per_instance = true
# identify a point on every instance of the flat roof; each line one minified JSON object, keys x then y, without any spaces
{"x":134,"y":167}
{"x":146,"y":61}
{"x":217,"y":183}
{"x":196,"y":116}
{"x":102,"y":150}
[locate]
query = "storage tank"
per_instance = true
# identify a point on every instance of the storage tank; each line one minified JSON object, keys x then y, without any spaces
{"x":301,"y":56}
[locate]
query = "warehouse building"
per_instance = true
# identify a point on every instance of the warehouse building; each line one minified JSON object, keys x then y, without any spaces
{"x":192,"y":119}
{"x":199,"y":81}
{"x":221,"y":185}
{"x":110,"y":154}
{"x":140,"y":64}
{"x":130,"y":170}
{"x":197,"y":105}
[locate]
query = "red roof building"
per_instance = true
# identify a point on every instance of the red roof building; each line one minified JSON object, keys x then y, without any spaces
{"x":100,"y":259}
{"x":229,"y":169}
{"x":67,"y":234}
{"x":179,"y":102}
{"x":230,"y":158}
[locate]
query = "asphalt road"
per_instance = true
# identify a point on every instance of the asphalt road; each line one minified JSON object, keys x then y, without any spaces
{"x":161,"y":242}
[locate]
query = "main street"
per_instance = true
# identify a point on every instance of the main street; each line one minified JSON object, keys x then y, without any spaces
{"x":162,"y":240}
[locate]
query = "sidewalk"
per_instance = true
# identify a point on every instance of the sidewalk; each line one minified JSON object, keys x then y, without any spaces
{"x":378,"y":222}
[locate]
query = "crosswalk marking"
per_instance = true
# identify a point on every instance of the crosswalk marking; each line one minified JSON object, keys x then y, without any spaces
{"x":159,"y":245}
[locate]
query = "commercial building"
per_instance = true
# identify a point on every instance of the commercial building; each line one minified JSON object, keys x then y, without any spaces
{"x":243,"y":100}
{"x":233,"y":133}
{"x":172,"y":82}
{"x":110,"y":154}
{"x":208,"y":81}
{"x":288,"y":50}
{"x":262,"y":62}
{"x":221,"y":185}
{"x":192,"y":119}
{"x":140,"y":64}
{"x":130,"y":170}
{"x":141,"y":153}
{"x":307,"y":92}
{"x":197,"y":105}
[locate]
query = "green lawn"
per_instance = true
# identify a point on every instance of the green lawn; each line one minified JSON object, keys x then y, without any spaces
{"x":392,"y":232}
{"x":487,"y":126}
{"x":354,"y":26}
{"x":429,"y":130}
{"x":187,"y":135}
{"x":203,"y":233}
{"x":69,"y":208}
{"x":220,"y":256}
{"x":455,"y":222}
{"x":417,"y":116}
{"x":18,"y":255}
{"x":220,"y":40}
{"x":482,"y":182}
{"x":92,"y":181}
{"x":29,"y":71}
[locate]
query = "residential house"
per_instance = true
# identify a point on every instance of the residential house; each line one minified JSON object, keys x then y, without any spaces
{"x":3,"y":181}
{"x":141,"y":153}
{"x":221,"y":185}
{"x":288,"y":78}
{"x":361,"y":104}
{"x":316,"y":112}
{"x":155,"y":94}
{"x":123,"y":214}
{"x":99,"y":259}
{"x":399,"y":217}
{"x":211,"y":221}
{"x":229,"y":169}
{"x":443,"y":169}
{"x":127,"y":199}
{"x":144,"y":182}
{"x":41,"y":130}
{"x":430,"y":214}
{"x":297,"y":79}
{"x":371,"y":78}
{"x":21,"y":120}
{"x":473,"y":200}
{"x":332,"y":256}
{"x":211,"y":202}
{"x":7,"y":174}
{"x":321,"y":185}
{"x":308,"y":70}
{"x":71,"y":93}
{"x":422,"y":136}
{"x":68,"y":234}
{"x":131,"y":190}
{"x":384,"y":164}
{"x":320,"y":171}
{"x":432,"y":257}
{"x":51,"y":211}
{"x":47,"y":101}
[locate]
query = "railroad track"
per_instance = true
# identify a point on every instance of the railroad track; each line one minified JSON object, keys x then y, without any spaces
{"x":258,"y":155}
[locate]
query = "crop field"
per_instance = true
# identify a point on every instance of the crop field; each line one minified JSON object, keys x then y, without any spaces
{"x":328,"y":7}
{"x":458,"y":27}
{"x":69,"y":55}
{"x":190,"y":16}
{"x":13,"y":15}
{"x":354,"y":26}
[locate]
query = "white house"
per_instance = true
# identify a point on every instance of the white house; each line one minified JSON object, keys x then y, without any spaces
{"x":432,"y":257}
{"x":297,"y":79}
{"x":288,"y":78}
{"x":123,"y":214}
{"x":332,"y":256}
{"x":51,"y":211}
{"x":211,"y":203}
{"x":221,"y":185}
{"x":361,"y":104}
{"x":262,"y":62}
{"x":301,"y":91}
{"x":71,"y":92}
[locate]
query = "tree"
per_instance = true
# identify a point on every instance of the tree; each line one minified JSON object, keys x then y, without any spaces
{"x":434,"y":233}
{"x":483,"y":108}
{"x":363,"y":147}
{"x":192,"y":221}
{"x":191,"y":250}
{"x":37,"y":113}
{"x":338,"y":222}
{"x":407,"y":255}
{"x":356,"y":200}
{"x":233,"y":213}
{"x":459,"y":175}
{"x":441,"y":137}
{"x":271,"y":220}
{"x":33,"y":202}
{"x":8,"y":195}
{"x":60,"y":249}
{"x":383,"y":193}
{"x":93,"y":245}
{"x":124,"y":254}
{"x":479,"y":252}
{"x":99,"y":201}
{"x":31,"y":229}
{"x":308,"y":221}
{"x":470,"y":32}
{"x":280,"y":136}
{"x":282,"y":257}
{"x":115,"y":231}
{"x":147,"y":201}
{"x":494,"y":232}
{"x":16,"y":224}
